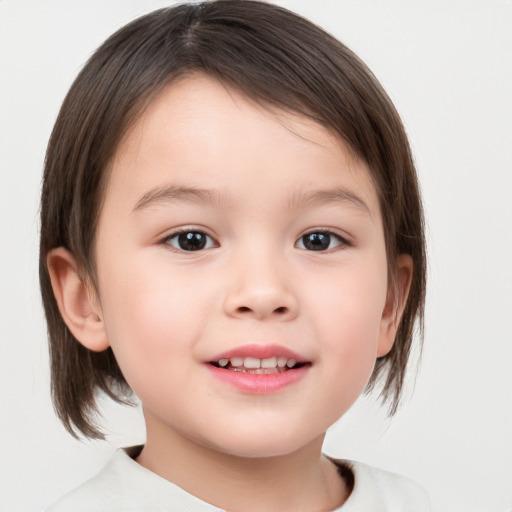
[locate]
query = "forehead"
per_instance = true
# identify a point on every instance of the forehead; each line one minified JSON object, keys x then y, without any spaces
{"x":202,"y":133}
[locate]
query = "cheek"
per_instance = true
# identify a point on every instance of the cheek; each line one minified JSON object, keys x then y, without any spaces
{"x":151,"y":319}
{"x":352,"y":300}
{"x":348,"y":319}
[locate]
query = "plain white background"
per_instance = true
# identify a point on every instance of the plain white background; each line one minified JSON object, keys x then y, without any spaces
{"x":448,"y":67}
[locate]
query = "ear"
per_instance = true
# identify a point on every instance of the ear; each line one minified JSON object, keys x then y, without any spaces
{"x":77,"y":301}
{"x":396,"y":300}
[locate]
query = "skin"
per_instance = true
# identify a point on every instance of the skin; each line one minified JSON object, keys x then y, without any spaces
{"x":166,"y":311}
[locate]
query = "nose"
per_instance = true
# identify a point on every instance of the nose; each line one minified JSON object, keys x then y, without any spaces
{"x":258,"y":290}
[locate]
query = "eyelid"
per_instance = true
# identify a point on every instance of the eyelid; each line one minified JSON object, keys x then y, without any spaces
{"x":331,"y":231}
{"x":164,"y":240}
{"x":344,"y":241}
{"x":342,"y":237}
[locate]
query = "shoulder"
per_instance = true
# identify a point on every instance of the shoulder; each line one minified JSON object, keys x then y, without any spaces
{"x":123,"y":485}
{"x":105,"y":491}
{"x":376,"y":490}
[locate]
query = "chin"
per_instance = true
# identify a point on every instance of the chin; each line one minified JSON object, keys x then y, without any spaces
{"x":264,"y":443}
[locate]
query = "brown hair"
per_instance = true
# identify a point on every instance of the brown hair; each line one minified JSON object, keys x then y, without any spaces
{"x":272,"y":56}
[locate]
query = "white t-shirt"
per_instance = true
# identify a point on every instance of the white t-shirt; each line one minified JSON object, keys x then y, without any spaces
{"x":124,"y":485}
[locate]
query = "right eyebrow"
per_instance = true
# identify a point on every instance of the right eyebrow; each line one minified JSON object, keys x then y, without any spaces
{"x":167,"y":193}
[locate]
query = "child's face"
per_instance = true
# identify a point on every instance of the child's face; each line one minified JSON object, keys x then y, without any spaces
{"x":257,"y":192}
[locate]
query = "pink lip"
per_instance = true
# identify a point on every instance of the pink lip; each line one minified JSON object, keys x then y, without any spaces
{"x":260,"y":352}
{"x":259,"y":383}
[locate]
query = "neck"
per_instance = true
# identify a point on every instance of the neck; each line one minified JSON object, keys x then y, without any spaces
{"x":302,"y":480}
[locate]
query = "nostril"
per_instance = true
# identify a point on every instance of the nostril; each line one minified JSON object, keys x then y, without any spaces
{"x":280,"y":310}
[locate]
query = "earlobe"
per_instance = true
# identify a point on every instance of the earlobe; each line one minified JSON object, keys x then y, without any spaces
{"x":395,"y":304}
{"x":78,"y":304}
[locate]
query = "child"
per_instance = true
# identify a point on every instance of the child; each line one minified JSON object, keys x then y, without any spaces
{"x":231,"y":230}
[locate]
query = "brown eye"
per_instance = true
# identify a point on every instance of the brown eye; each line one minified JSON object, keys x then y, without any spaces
{"x":190,"y":241}
{"x":319,"y":241}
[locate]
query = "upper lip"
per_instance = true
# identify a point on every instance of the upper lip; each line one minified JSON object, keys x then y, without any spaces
{"x":260,"y":351}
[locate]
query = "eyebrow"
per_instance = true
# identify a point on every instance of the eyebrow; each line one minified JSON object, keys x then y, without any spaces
{"x":168,"y":193}
{"x":328,"y":196}
{"x":164,"y":194}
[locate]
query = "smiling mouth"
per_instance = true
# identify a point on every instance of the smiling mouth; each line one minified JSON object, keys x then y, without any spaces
{"x":257,"y":366}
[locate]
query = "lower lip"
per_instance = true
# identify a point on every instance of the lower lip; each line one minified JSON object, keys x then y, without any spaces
{"x":259,"y":383}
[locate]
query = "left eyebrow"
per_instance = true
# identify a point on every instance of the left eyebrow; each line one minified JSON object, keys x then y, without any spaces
{"x":323,"y":197}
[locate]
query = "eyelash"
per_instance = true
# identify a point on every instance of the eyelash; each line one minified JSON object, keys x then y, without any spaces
{"x":188,"y":231}
{"x":322,"y":236}
{"x":341,"y":242}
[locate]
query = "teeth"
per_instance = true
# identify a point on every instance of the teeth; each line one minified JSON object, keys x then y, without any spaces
{"x":281,"y":362}
{"x":271,"y":362}
{"x":253,"y":363}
